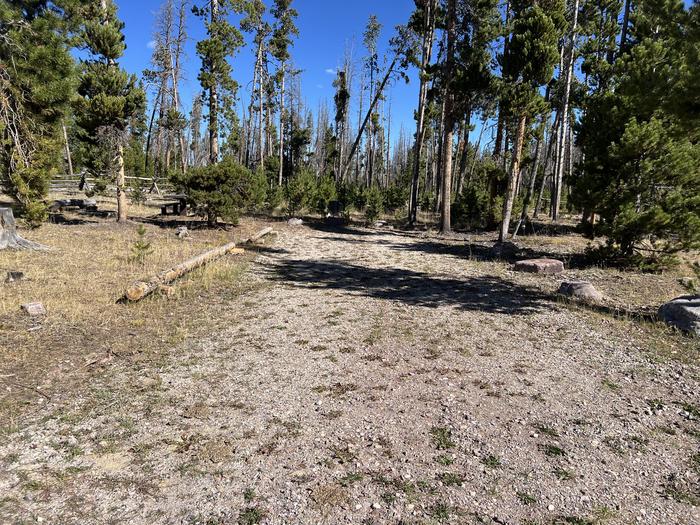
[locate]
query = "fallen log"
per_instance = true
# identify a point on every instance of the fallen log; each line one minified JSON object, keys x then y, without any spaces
{"x":140,"y":289}
{"x":262,"y":233}
{"x":9,"y":237}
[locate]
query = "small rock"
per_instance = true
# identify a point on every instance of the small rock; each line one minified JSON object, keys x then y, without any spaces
{"x":13,"y":277}
{"x":295,"y":222}
{"x":550,"y":508}
{"x":34,"y":309}
{"x":182,"y":232}
{"x":581,"y":290}
{"x":683,"y":313}
{"x":541,"y":266}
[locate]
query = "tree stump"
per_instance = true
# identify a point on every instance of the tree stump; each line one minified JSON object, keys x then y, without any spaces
{"x":9,"y":237}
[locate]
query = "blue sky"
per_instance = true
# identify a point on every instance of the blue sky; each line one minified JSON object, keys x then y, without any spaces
{"x":325,"y":27}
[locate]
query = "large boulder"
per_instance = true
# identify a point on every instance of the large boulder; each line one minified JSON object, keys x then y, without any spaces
{"x":683,"y":313}
{"x":541,"y":266}
{"x":581,"y":291}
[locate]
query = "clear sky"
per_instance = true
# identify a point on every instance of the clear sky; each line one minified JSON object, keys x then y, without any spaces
{"x":325,"y":27}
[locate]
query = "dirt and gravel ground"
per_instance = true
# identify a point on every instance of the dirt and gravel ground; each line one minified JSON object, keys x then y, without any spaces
{"x":371,"y":376}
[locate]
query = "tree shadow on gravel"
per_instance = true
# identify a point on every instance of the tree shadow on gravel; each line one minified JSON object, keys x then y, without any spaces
{"x":482,"y":252}
{"x":487,"y":294}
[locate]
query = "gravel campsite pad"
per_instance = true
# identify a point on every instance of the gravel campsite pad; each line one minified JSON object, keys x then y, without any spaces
{"x":373,"y":376}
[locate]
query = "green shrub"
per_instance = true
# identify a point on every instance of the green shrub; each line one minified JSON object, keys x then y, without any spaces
{"x":471,"y":208}
{"x":395,"y":197}
{"x":427,"y":201}
{"x":138,"y":192}
{"x":141,"y":247}
{"x":300,"y":192}
{"x":324,"y":194}
{"x":275,"y":197}
{"x":219,"y":190}
{"x":375,"y":206}
{"x":35,"y":213}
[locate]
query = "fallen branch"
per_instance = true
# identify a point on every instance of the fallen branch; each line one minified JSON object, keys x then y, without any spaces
{"x":140,"y":289}
{"x":262,"y":233}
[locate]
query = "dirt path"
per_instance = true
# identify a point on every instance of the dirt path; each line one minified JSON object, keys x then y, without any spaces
{"x":375,"y":377}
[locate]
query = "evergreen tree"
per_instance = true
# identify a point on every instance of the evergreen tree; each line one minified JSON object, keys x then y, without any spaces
{"x":223,"y":41}
{"x":35,"y":94}
{"x":284,"y":29}
{"x":528,"y":63}
{"x":109,"y":97}
{"x":640,"y":141}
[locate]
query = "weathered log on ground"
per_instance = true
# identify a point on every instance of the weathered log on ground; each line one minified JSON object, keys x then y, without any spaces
{"x":262,"y":233}
{"x":9,"y":237}
{"x":140,"y":289}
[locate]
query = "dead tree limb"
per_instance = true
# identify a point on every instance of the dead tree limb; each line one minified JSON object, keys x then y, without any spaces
{"x":140,"y":289}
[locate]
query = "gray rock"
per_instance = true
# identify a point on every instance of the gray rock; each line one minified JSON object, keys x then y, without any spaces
{"x":581,"y":290}
{"x":683,"y":313}
{"x":295,"y":222}
{"x":182,"y":232}
{"x":541,"y":266}
{"x":34,"y":309}
{"x":13,"y":277}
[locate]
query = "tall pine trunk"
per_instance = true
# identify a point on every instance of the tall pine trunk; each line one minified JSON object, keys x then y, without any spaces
{"x":426,"y":53}
{"x":281,"y":153}
{"x":448,"y":130}
{"x":512,"y":179}
{"x":214,"y":101}
{"x":559,"y":178}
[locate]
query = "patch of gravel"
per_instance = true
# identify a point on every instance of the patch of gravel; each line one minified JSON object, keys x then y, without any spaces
{"x":378,"y":377}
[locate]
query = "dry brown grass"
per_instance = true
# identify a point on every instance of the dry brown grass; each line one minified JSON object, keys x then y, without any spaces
{"x":79,"y":282}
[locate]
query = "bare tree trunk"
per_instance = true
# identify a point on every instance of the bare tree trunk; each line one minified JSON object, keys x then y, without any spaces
{"x":512,"y":179}
{"x":67,"y":146}
{"x":427,"y":48}
{"x":377,"y":96}
{"x":181,"y":36}
{"x":531,"y":186}
{"x":625,"y":26}
{"x":448,"y":125}
{"x":565,"y":117}
{"x":547,"y":158}
{"x":261,"y":109}
{"x":214,"y":102}
{"x":281,"y":156}
{"x":121,"y":186}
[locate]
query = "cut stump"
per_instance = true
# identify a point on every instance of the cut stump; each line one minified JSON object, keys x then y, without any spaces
{"x":9,"y":239}
{"x":541,"y":266}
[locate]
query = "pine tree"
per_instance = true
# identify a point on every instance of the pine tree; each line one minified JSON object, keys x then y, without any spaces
{"x":284,"y":29}
{"x":109,"y":97}
{"x":640,"y":141}
{"x":222,"y":42}
{"x":34,"y":97}
{"x":527,"y":65}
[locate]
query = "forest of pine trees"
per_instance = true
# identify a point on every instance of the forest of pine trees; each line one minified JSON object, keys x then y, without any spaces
{"x":526,"y":110}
